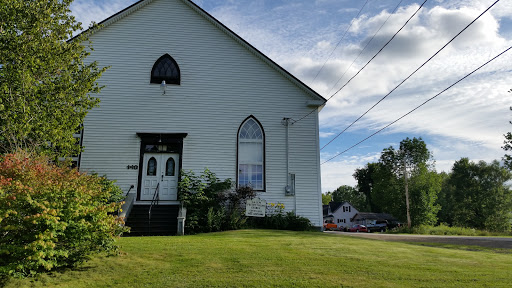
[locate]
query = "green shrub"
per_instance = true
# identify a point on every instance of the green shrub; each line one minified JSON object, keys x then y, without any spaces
{"x":52,"y":217}
{"x":444,"y":229}
{"x":109,"y":187}
{"x":276,"y":218}
{"x":212,"y":204}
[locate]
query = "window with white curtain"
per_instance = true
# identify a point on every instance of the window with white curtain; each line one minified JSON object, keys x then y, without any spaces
{"x":251,"y":142}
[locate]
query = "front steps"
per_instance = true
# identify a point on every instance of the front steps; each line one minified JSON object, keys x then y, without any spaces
{"x":164,"y":220}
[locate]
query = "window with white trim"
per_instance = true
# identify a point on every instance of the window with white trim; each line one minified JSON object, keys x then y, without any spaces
{"x":251,"y":142}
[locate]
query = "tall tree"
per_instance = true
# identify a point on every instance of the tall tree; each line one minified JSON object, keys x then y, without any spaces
{"x":326,"y":198}
{"x":478,"y":195}
{"x":352,"y":195}
{"x":413,"y":154}
{"x":507,"y":146}
{"x":44,"y":81}
{"x":364,"y":177}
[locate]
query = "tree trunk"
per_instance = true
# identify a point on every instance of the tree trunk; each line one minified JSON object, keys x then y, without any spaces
{"x":407,"y":196}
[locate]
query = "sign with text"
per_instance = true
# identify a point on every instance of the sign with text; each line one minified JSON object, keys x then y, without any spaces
{"x":255,"y":207}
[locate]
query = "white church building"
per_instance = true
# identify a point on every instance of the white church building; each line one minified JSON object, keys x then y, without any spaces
{"x":184,"y":92}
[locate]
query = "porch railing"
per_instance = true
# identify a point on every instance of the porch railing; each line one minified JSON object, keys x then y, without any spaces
{"x":154,"y":201}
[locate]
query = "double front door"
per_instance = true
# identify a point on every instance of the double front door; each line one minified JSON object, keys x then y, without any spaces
{"x":160,"y":173}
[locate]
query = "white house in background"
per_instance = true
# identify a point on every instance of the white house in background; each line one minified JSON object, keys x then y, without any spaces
{"x":341,"y":213}
{"x":185,"y":92}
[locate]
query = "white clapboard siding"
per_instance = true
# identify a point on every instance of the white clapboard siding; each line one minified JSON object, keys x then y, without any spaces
{"x":222,"y":83}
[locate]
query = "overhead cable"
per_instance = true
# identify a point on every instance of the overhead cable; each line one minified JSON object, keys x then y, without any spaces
{"x":417,"y":107}
{"x":342,"y":37}
{"x":368,"y":61}
{"x":407,"y":78}
{"x":367,"y":43}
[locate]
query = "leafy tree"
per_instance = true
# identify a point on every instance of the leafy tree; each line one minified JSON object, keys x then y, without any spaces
{"x":507,"y":146}
{"x":350,"y":194}
{"x":387,"y":193}
{"x":364,"y":177}
{"x":424,"y":188}
{"x":326,"y":198}
{"x":44,"y":81}
{"x":444,"y":201}
{"x":477,"y":195}
{"x":399,"y":176}
{"x":413,"y":154}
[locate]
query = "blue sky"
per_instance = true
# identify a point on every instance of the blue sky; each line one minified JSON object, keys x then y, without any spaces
{"x":468,"y":120}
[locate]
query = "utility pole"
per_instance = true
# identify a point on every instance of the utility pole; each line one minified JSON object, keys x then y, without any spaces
{"x":406,"y":193}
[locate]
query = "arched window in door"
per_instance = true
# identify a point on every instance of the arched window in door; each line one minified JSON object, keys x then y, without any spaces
{"x":169,"y":167}
{"x":251,"y":155}
{"x":151,"y":167}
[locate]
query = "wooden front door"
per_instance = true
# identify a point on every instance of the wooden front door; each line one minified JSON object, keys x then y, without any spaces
{"x":160,"y":170}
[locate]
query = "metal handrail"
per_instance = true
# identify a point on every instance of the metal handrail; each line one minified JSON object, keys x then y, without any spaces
{"x":131,"y":187}
{"x":156,"y":198}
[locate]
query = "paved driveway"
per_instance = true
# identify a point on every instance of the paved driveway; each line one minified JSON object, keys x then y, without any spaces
{"x":492,"y":242}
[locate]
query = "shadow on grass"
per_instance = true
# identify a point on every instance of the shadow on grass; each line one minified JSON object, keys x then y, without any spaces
{"x":473,"y":248}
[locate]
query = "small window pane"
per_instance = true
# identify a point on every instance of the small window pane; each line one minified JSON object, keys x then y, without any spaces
{"x":169,"y":167}
{"x":243,"y":175}
{"x":250,"y":152}
{"x":251,"y":130}
{"x":151,"y":167}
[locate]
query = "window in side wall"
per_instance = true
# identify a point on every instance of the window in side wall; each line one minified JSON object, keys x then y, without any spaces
{"x":251,"y":155}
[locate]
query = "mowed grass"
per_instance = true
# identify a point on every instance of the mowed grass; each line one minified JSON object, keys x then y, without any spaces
{"x":265,"y":258}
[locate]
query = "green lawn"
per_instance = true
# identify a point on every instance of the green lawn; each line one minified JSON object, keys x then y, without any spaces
{"x":264,"y":258}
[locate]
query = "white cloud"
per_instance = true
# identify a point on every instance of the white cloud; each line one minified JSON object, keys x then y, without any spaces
{"x":326,"y":134}
{"x":87,"y":11}
{"x":339,"y":172}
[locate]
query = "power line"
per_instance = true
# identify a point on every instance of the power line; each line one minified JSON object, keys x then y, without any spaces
{"x":342,"y":37}
{"x":368,"y":61}
{"x":417,"y":107}
{"x":364,"y":48}
{"x":410,"y":75}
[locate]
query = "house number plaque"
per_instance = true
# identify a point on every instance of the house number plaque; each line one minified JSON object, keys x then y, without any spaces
{"x":132,"y":167}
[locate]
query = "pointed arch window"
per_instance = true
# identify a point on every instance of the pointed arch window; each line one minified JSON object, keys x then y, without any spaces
{"x":251,"y":155}
{"x":169,"y":167}
{"x":165,"y":69}
{"x":151,"y":167}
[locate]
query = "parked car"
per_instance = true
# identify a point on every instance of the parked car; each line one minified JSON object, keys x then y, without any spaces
{"x":358,"y":228}
{"x":329,"y":225}
{"x":378,"y":226}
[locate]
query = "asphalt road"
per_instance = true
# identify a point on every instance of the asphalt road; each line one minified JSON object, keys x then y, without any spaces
{"x":491,"y":242}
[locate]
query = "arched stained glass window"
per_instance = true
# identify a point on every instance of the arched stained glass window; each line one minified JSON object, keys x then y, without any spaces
{"x":165,"y":68}
{"x":251,"y":142}
{"x":151,"y":167}
{"x":169,"y":167}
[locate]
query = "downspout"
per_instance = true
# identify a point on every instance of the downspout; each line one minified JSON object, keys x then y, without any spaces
{"x":289,"y":190}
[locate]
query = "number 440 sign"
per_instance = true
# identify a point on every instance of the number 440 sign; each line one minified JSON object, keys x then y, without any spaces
{"x":255,"y":207}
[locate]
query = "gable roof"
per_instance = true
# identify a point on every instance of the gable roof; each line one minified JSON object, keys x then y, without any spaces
{"x":136,"y":6}
{"x":336,"y":205}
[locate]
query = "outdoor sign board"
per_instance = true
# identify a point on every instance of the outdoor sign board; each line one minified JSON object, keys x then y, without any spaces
{"x":255,"y":207}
